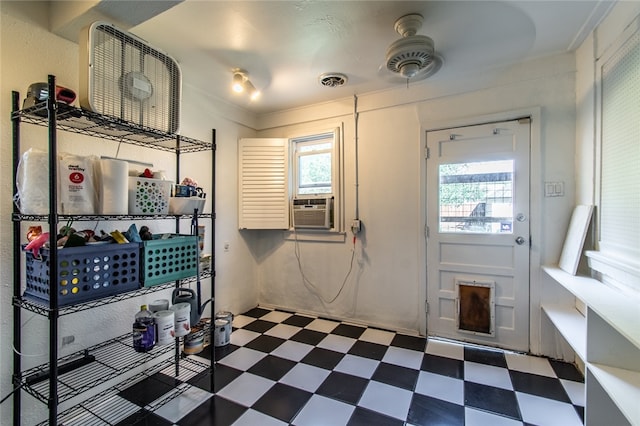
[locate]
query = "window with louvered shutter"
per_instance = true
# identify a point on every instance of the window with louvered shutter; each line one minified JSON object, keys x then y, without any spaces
{"x":264,"y":184}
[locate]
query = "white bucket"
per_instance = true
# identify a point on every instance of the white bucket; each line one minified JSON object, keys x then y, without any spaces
{"x":182,"y":322}
{"x":165,"y":327}
{"x":159,"y":305}
{"x":220,"y":336}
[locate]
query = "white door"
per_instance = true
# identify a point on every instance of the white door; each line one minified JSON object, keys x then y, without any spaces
{"x":478,"y":234}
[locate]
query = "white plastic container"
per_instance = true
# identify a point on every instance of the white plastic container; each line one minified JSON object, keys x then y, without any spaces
{"x":185,"y":205}
{"x":165,"y":325}
{"x":182,"y":322}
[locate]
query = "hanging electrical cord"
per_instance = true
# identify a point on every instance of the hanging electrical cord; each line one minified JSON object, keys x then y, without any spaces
{"x":310,"y":284}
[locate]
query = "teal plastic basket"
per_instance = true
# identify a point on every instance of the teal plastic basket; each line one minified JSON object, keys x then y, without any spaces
{"x":169,"y":259}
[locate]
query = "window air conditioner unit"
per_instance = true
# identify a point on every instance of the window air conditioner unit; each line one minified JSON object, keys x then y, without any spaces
{"x":312,"y":212}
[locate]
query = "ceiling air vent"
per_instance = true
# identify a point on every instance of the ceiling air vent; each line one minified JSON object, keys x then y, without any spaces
{"x":333,"y":80}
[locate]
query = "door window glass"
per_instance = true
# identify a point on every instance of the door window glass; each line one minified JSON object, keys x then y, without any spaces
{"x":476,"y":197}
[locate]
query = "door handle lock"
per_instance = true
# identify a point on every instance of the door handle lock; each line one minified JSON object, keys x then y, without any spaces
{"x":520,"y":241}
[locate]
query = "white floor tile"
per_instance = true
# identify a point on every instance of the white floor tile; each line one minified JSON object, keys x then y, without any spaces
{"x":324,"y":326}
{"x":403,"y":357}
{"x":481,"y":418}
{"x":441,"y":387}
{"x":445,"y":349}
{"x":529,"y":364}
{"x":322,"y":411}
{"x":276,"y":316}
{"x":246,"y":389}
{"x":487,"y":375}
{"x":183,"y":404}
{"x":543,"y":411}
{"x":240,"y":321}
{"x":304,"y":376}
{"x":283,"y":331}
{"x":242,"y":358}
{"x":242,"y":337}
{"x":386,"y":399}
{"x":575,"y":391}
{"x":253,"y":418}
{"x":380,"y":337}
{"x":294,"y":351}
{"x":337,"y":343}
{"x":357,"y":366}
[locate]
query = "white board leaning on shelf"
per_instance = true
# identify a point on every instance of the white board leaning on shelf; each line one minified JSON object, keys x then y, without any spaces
{"x":574,"y":241}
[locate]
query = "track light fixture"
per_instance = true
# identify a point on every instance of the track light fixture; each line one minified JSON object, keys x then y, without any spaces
{"x":241,"y":83}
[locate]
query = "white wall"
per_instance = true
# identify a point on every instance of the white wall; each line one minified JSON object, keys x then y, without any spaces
{"x":387,"y":287}
{"x":28,"y":53}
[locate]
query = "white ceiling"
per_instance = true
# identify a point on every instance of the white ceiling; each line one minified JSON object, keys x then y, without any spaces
{"x":286,"y":45}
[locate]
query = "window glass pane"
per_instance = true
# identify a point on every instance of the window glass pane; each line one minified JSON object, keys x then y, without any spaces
{"x":314,"y":173}
{"x":476,"y":197}
{"x":303,"y":147}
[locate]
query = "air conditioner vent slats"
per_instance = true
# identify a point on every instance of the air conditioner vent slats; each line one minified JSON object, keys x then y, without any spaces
{"x":312,"y":212}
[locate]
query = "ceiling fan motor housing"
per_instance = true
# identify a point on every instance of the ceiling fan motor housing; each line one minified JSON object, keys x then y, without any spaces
{"x":412,"y":55}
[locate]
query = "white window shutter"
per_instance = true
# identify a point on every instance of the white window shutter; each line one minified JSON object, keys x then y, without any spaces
{"x":263,"y":167}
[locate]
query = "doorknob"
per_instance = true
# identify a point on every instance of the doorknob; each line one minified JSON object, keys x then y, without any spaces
{"x":520,"y":241}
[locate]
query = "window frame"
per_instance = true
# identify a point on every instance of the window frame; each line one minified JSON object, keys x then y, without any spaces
{"x":309,"y":138}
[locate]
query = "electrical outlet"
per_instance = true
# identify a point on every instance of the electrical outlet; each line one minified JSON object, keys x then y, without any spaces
{"x":67,"y":340}
{"x":226,"y":246}
{"x":356,"y":226}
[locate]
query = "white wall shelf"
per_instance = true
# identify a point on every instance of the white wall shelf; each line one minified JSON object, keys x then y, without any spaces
{"x":571,"y":324}
{"x":607,"y":340}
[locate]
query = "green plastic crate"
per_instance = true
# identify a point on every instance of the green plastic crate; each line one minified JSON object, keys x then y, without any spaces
{"x":169,"y":259}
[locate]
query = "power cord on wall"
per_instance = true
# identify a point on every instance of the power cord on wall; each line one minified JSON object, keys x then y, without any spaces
{"x":308,"y":283}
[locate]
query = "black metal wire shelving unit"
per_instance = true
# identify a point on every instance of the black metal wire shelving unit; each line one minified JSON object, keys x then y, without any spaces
{"x":116,"y":365}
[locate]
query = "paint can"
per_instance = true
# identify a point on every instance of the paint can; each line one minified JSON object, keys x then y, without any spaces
{"x":220,"y":334}
{"x":194,"y":342}
{"x":227,"y":316}
{"x":165,"y":325}
{"x":159,"y":305}
{"x":182,"y":322}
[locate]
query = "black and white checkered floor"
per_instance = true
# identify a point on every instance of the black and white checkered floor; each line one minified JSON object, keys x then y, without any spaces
{"x":282,"y":368}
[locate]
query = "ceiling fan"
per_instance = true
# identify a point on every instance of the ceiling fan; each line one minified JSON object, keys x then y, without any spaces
{"x":413,"y":57}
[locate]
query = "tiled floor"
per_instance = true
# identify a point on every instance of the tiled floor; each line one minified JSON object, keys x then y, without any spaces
{"x":282,"y":368}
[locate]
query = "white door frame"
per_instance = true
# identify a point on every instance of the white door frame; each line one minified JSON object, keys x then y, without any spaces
{"x":535,"y":211}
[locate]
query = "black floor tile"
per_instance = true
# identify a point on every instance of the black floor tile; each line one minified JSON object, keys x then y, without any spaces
{"x":220,"y":351}
{"x":257,"y":312}
{"x":363,"y":417}
{"x":580,"y":411}
{"x":272,"y":367}
{"x":265,"y":343}
{"x":215,"y":411}
{"x":310,"y":337}
{"x":144,"y":418}
{"x":409,"y":342}
{"x":546,"y":387}
{"x":323,"y":358}
{"x":395,"y":375}
{"x":298,"y":320}
{"x":149,"y":389}
{"x":343,"y":387}
{"x":282,"y":402}
{"x":259,"y":326}
{"x":368,"y":350}
{"x":492,"y":399}
{"x":566,"y":371}
{"x":222,"y":376}
{"x":441,"y":365}
{"x":347,"y":330}
{"x":485,"y":356}
{"x":425,"y":410}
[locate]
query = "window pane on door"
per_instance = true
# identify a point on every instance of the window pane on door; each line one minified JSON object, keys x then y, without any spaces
{"x":476,"y":197}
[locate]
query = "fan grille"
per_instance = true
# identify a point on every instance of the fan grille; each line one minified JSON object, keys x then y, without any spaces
{"x":132,"y":81}
{"x":416,"y":50}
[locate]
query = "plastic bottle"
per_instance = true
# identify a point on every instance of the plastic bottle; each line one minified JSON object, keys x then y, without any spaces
{"x":144,"y":330}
